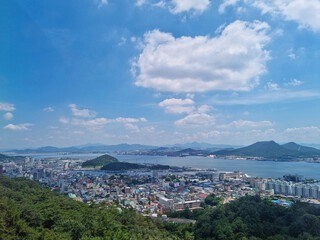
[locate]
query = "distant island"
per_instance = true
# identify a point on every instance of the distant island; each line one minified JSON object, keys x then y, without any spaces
{"x":100,"y":161}
{"x":270,"y":150}
{"x":109,"y":163}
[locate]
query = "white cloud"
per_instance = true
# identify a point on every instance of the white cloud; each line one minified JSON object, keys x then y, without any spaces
{"x":122,"y":42}
{"x":190,"y":95}
{"x":103,"y":2}
{"x":18,"y":127}
{"x":53,"y":127}
{"x":281,"y":95}
{"x":8,"y":116}
{"x":7,"y":107}
{"x":204,"y":108}
{"x":196,"y":120}
{"x":64,"y":120}
{"x":93,"y":123}
{"x":305,"y":13}
{"x":227,"y":3}
{"x":310,"y":134}
{"x":48,"y":109}
{"x":178,"y":6}
{"x":100,"y":122}
{"x":303,"y":130}
{"x":294,"y":82}
{"x":132,"y":127}
{"x":234,"y":60}
{"x":291,"y":54}
{"x":174,"y":105}
{"x":78,"y":132}
{"x":86,"y":113}
{"x":273,"y":86}
{"x":247,"y":124}
{"x":189,"y":5}
{"x":128,"y":120}
{"x":141,"y":2}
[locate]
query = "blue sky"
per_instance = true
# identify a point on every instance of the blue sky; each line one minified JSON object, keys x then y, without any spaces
{"x":159,"y":72}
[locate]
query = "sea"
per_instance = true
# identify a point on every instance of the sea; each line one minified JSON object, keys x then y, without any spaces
{"x":264,"y":169}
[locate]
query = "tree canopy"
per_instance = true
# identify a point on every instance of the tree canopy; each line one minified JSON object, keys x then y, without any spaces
{"x":28,"y":211}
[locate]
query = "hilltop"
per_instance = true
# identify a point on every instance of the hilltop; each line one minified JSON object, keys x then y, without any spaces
{"x":100,"y":161}
{"x":272,"y":150}
{"x":300,"y":148}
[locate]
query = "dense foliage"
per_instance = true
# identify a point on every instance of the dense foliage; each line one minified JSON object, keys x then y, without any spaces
{"x":213,"y":200}
{"x":254,"y":218}
{"x":28,"y":211}
{"x":99,"y":161}
{"x":186,"y":213}
{"x":122,"y":166}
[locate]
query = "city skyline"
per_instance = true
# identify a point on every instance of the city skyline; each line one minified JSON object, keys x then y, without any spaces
{"x":159,"y":72}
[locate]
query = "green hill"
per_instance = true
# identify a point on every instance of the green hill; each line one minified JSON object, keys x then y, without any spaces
{"x":28,"y":211}
{"x":271,"y":150}
{"x":99,"y":161}
{"x":122,"y":166}
{"x":302,"y":149}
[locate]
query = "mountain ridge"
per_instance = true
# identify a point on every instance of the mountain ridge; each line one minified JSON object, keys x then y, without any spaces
{"x":272,"y":150}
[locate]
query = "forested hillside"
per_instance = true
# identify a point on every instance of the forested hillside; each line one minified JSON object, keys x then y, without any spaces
{"x":254,"y":219}
{"x":28,"y":211}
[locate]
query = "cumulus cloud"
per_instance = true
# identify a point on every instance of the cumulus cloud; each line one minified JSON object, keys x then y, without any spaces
{"x":246,"y":124}
{"x":93,"y":123}
{"x":196,"y":120}
{"x":99,"y":122}
{"x":48,"y":109}
{"x":86,"y":113}
{"x":304,"y":130}
{"x":305,"y":13}
{"x":204,"y":108}
{"x":234,"y":60}
{"x":294,"y":82}
{"x":309,"y":134}
{"x":64,"y":120}
{"x":7,"y":107}
{"x":141,"y":2}
{"x":178,"y":6}
{"x":141,"y":130}
{"x":189,"y":5}
{"x":273,"y":86}
{"x":128,"y":120}
{"x":174,"y":105}
{"x":227,"y":3}
{"x":291,"y":54}
{"x":8,"y":116}
{"x":18,"y":127}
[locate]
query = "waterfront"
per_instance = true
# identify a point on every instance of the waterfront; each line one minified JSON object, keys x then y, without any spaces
{"x":253,"y":168}
{"x":264,"y":169}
